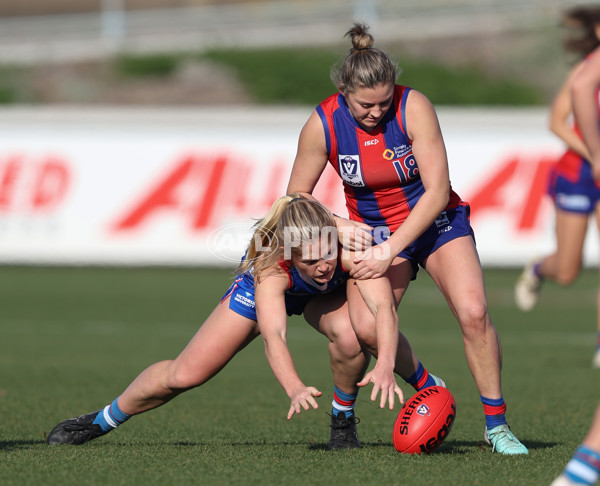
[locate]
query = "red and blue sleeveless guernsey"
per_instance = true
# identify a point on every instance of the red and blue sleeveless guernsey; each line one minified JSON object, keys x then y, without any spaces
{"x":379,"y":171}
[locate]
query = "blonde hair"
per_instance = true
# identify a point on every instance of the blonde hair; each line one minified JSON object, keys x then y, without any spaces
{"x":305,"y":218}
{"x":364,"y":66}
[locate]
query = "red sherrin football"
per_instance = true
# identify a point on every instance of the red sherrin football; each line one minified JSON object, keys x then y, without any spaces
{"x":424,"y":421}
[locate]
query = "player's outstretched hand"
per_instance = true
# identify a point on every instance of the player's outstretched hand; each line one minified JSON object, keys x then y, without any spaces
{"x":384,"y":382}
{"x":303,"y":398}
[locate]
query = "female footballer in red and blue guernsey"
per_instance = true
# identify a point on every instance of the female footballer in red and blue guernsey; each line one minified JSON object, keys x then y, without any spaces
{"x":584,"y":466}
{"x":386,"y":145}
{"x":574,"y":190}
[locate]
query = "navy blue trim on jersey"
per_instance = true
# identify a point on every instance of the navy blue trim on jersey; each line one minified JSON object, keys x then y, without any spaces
{"x":345,"y":128}
{"x":403,"y":109}
{"x":325,"y":125}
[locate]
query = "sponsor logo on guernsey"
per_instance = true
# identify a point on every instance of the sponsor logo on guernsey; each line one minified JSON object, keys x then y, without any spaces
{"x":402,"y":150}
{"x":371,"y":142}
{"x":350,"y":170}
{"x":388,"y":154}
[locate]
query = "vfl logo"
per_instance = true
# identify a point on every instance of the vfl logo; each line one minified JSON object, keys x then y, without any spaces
{"x":350,"y":170}
{"x":423,"y":410}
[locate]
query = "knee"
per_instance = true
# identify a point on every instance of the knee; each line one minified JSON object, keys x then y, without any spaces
{"x":363,"y":325}
{"x":566,"y":277}
{"x":180,"y":379}
{"x":474,"y":319}
{"x":346,"y":345}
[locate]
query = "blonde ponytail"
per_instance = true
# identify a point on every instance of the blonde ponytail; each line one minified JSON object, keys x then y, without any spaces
{"x":294,"y":213}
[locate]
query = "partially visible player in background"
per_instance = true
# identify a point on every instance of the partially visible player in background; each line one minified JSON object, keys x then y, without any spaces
{"x":575,"y":193}
{"x":584,"y":466}
{"x":291,"y":267}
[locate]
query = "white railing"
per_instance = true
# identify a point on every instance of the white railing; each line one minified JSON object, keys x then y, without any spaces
{"x":283,"y":22}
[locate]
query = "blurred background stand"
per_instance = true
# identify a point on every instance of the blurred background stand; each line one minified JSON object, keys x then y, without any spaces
{"x":70,"y":30}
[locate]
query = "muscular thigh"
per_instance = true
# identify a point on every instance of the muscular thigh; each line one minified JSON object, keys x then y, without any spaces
{"x":456,"y":270}
{"x":220,"y":338}
{"x":328,"y":313}
{"x":399,"y":275}
{"x":571,"y":229}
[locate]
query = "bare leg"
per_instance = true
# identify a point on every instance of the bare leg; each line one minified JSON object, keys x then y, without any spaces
{"x":221,"y":336}
{"x":592,"y":439}
{"x":328,"y":314}
{"x":564,"y":265}
{"x":583,"y":466}
{"x":597,"y":359}
{"x":456,"y":270}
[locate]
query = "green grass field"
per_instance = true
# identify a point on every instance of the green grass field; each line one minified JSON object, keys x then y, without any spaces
{"x":71,"y":339}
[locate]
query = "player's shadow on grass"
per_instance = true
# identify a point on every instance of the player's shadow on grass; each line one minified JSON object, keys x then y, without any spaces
{"x":452,"y":446}
{"x":11,"y":445}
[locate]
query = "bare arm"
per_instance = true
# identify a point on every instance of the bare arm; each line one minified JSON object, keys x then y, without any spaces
{"x":311,"y":157}
{"x":560,"y":116}
{"x":272,"y":322}
{"x":585,"y":107}
{"x":377,"y":294}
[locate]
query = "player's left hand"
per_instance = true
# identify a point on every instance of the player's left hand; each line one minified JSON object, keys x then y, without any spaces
{"x":303,"y":398}
{"x":384,"y":382}
{"x":354,"y":236}
{"x":372,"y":263}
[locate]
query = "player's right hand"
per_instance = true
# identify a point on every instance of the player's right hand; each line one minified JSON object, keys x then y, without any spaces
{"x":303,"y":398}
{"x":384,"y":382}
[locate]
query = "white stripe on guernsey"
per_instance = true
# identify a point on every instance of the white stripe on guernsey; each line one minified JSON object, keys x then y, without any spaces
{"x":578,"y":468}
{"x":108,"y":418}
{"x":342,"y":408}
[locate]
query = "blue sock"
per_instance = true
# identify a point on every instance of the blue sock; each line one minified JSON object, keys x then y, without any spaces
{"x":111,"y":417}
{"x":536,"y":270}
{"x":494,"y":410}
{"x":420,"y":379}
{"x":343,"y":402}
{"x":584,"y":466}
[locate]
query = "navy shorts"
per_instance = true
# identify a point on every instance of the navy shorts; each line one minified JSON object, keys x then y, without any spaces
{"x":580,"y":196}
{"x":449,"y":225}
{"x":242,"y":301}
